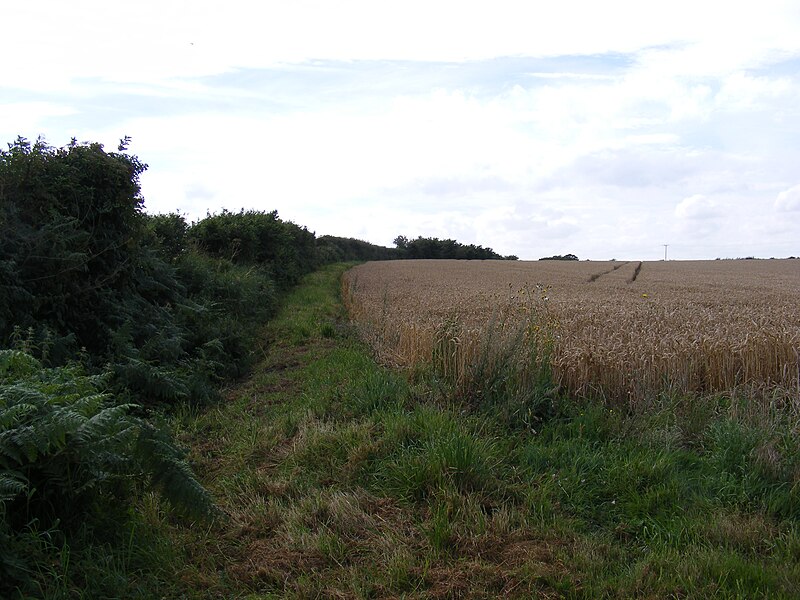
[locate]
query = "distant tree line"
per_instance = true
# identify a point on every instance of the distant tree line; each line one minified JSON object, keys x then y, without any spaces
{"x":434,"y":248}
{"x":754,"y":258}
{"x":560,"y":257}
{"x":338,"y":249}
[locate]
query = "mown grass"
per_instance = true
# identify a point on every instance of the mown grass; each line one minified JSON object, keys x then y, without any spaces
{"x":339,"y":478}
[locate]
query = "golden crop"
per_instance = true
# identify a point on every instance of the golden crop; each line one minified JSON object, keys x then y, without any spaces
{"x":621,"y":330}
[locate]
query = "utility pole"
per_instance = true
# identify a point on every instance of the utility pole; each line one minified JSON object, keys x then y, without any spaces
{"x":665,"y":250}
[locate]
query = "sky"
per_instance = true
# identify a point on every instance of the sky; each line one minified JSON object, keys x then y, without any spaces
{"x":602,"y":129}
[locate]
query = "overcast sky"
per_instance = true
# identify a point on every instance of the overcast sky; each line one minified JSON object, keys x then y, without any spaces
{"x":603,"y":129}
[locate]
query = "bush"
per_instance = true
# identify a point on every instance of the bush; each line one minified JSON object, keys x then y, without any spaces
{"x":332,"y":249}
{"x":168,"y":235}
{"x":84,"y":270}
{"x":230,"y":300}
{"x":286,"y":250}
{"x":69,"y":455}
{"x":560,"y":257}
{"x":69,"y":223}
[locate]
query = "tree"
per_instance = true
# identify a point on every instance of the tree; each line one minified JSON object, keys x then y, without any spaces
{"x":560,"y":257}
{"x":432,"y":248}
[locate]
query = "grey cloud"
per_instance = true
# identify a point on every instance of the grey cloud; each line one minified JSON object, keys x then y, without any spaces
{"x":540,"y":228}
{"x":631,"y":167}
{"x":197,"y":191}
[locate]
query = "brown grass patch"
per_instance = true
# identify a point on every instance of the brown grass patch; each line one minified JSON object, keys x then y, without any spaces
{"x":267,"y":563}
{"x":495,"y":567}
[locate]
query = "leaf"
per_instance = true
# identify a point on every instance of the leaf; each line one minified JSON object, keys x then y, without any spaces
{"x":12,"y":484}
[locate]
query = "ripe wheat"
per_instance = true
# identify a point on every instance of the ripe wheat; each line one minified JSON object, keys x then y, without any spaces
{"x":621,"y":330}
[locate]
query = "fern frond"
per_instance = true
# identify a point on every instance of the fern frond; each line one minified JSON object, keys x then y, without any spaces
{"x":21,"y":393}
{"x":10,"y":415}
{"x":22,"y":444}
{"x":15,"y":363}
{"x":53,"y":430}
{"x":89,"y":405}
{"x":170,"y":472}
{"x":103,"y":423}
{"x":12,"y":484}
{"x":158,"y":383}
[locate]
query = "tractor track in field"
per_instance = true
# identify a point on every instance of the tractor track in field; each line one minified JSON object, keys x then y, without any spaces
{"x":636,"y":272}
{"x":596,"y":276}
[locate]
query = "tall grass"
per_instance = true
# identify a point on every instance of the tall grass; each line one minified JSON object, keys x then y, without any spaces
{"x":505,"y":363}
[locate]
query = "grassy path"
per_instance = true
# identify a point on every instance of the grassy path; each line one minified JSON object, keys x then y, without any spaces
{"x":340,"y":479}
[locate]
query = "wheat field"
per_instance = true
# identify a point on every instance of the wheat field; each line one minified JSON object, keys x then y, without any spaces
{"x":623,"y":331}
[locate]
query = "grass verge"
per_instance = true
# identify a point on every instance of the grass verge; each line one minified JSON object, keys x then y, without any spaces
{"x":339,"y":478}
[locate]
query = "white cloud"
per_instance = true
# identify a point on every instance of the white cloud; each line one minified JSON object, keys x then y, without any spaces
{"x":30,"y":116}
{"x":741,"y":91}
{"x":789,"y":200}
{"x":697,"y":207}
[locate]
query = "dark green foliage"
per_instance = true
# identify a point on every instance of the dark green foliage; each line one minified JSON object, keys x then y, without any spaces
{"x":254,"y":237}
{"x":168,"y":235}
{"x":82,"y":267}
{"x":165,"y":466}
{"x":234,"y":298}
{"x":560,"y":257}
{"x":331,"y":249}
{"x":436,"y":248}
{"x":85,"y":275}
{"x":69,"y":223}
{"x":69,"y":455}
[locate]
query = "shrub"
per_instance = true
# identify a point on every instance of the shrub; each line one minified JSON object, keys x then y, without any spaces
{"x":69,"y":455}
{"x":69,"y":225}
{"x":84,"y":270}
{"x":168,"y":234}
{"x":255,"y":237}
